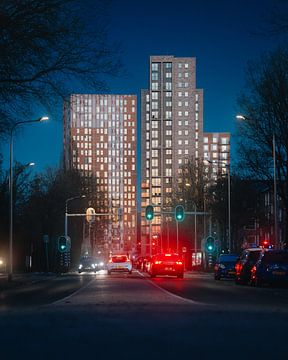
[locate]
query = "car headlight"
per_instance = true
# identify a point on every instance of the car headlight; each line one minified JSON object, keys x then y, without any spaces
{"x":222,"y":266}
{"x":101,"y":264}
{"x":93,"y":266}
{"x":1,"y":262}
{"x":80,"y":266}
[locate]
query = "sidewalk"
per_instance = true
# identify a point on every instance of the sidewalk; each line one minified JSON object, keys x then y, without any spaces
{"x":21,"y":279}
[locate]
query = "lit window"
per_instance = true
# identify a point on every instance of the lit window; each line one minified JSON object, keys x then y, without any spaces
{"x":155,"y":66}
{"x":154,"y":76}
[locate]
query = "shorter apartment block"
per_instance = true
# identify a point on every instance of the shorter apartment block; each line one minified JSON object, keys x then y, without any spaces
{"x":100,"y":141}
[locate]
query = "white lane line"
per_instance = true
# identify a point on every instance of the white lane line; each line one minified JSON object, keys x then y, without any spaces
{"x":74,"y":293}
{"x":189,"y":301}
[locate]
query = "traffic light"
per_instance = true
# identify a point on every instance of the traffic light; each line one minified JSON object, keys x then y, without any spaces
{"x":149,"y":212}
{"x":210,"y":244}
{"x":179,"y":213}
{"x":64,"y":244}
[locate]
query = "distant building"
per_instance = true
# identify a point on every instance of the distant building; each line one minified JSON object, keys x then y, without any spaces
{"x":100,"y":141}
{"x":216,"y":148}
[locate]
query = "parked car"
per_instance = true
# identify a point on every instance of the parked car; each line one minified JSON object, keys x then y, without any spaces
{"x":271,"y":267}
{"x":245,"y":264}
{"x":166,"y":264}
{"x":225,"y":266}
{"x":119,"y":263}
{"x":86,"y":263}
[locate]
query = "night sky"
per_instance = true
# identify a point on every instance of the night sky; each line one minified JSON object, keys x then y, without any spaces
{"x":223,"y":36}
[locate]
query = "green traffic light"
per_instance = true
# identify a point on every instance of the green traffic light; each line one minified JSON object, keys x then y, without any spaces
{"x":179,"y":213}
{"x":149,"y":212}
{"x":210,"y":247}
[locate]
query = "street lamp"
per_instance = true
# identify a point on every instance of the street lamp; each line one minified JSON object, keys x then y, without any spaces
{"x":242,"y":117}
{"x":195,"y":225}
{"x":43,"y":118}
{"x":229,"y":198}
{"x":66,"y":210}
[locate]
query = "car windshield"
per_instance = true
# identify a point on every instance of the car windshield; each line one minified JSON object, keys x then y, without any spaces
{"x":119,"y":259}
{"x":86,"y":260}
{"x":280,"y":258}
{"x":227,"y":258}
{"x":253,"y":255}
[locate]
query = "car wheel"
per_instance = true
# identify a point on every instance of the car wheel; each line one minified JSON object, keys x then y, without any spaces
{"x":258,"y":282}
{"x":79,"y":271}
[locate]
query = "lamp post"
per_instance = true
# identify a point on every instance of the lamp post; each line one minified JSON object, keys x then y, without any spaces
{"x":229,"y":198}
{"x":242,"y":117}
{"x":43,"y":118}
{"x":66,"y":211}
{"x":195,"y":225}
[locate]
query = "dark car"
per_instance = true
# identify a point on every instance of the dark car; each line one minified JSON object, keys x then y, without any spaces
{"x":271,"y":267}
{"x":245,"y":264}
{"x":166,"y":264}
{"x":225,"y":266}
{"x":86,"y":263}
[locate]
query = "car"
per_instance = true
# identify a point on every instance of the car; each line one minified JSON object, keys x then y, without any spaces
{"x":99,"y":264}
{"x":119,"y":263}
{"x":271,"y":268}
{"x":87,"y":263}
{"x":244,"y":265}
{"x":225,"y":266}
{"x":166,"y":264}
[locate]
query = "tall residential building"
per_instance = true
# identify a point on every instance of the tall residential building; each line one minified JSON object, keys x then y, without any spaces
{"x":216,"y":147}
{"x":100,"y":141}
{"x":171,"y":133}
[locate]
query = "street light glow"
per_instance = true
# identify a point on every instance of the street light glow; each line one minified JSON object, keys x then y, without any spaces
{"x":240,"y":117}
{"x":44,"y":118}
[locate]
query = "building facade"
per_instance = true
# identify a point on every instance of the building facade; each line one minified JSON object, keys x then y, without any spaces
{"x":171,"y":133}
{"x":100,"y":141}
{"x":216,"y":149}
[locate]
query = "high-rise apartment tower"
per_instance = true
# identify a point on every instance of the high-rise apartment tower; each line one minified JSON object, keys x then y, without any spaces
{"x":171,"y":134}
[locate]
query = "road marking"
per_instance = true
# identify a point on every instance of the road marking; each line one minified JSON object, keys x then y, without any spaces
{"x":178,"y":297}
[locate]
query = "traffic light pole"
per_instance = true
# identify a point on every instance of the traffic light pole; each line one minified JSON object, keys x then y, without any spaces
{"x":177,"y":245}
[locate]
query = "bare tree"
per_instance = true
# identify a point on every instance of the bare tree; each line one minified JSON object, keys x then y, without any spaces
{"x":265,"y":106}
{"x":48,"y":50}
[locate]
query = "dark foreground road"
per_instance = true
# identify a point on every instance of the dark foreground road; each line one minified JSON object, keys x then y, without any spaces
{"x":131,"y":317}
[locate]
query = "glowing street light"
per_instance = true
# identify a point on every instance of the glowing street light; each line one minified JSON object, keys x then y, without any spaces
{"x":242,"y":117}
{"x":43,"y":118}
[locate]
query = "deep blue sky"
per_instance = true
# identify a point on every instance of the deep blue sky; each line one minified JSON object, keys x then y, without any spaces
{"x":222,"y":35}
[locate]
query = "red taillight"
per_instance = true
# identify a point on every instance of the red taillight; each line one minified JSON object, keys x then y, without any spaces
{"x":238,"y":268}
{"x":179,"y":262}
{"x":253,"y":271}
{"x":157,"y":262}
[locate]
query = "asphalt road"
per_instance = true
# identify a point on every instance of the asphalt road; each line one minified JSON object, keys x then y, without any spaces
{"x":131,"y":316}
